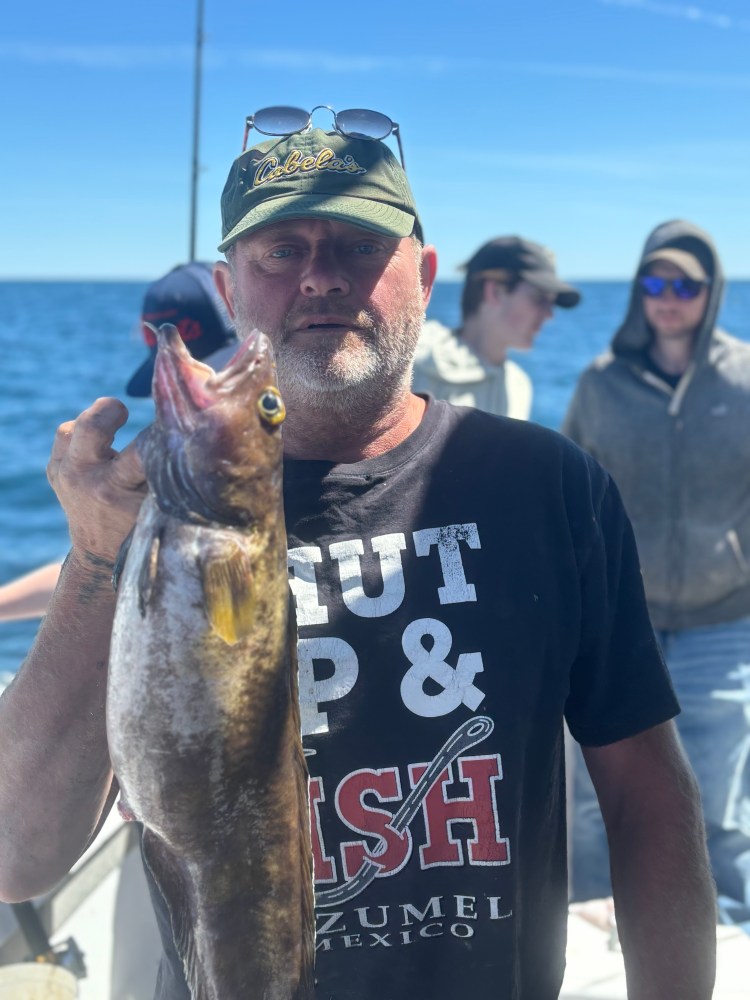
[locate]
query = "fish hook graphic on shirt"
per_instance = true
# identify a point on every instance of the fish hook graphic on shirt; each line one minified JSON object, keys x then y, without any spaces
{"x":469,"y":734}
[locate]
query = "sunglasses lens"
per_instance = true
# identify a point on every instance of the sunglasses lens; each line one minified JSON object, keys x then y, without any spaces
{"x":359,"y":123}
{"x":280,"y":120}
{"x":651,"y":285}
{"x":686,"y":288}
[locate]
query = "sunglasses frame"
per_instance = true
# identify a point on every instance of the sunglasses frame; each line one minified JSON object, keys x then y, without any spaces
{"x":394,"y":127}
{"x":678,"y":287}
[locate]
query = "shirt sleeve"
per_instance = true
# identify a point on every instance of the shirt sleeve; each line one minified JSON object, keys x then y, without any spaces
{"x":619,"y":683}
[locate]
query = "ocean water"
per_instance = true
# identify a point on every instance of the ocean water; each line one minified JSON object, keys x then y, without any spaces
{"x":63,"y":344}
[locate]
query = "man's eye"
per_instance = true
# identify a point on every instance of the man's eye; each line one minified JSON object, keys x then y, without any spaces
{"x":366,"y":249}
{"x":281,"y":252}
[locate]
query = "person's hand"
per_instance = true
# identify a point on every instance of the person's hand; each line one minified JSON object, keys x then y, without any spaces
{"x":100,"y":489}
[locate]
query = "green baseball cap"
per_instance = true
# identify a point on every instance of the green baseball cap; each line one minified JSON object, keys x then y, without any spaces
{"x":320,"y":175}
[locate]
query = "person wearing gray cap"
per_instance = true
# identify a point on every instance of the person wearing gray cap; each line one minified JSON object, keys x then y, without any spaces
{"x":510,"y":290}
{"x":666,"y":410}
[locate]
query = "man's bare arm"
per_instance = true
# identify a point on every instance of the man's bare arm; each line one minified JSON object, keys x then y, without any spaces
{"x":664,"y":893}
{"x":56,"y":780}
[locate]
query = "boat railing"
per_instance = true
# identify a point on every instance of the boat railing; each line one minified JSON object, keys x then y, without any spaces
{"x":54,"y":908}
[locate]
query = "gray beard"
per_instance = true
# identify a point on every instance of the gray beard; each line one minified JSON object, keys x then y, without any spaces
{"x":363,"y":378}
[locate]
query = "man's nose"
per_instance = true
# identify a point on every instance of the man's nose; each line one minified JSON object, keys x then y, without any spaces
{"x":324,"y":273}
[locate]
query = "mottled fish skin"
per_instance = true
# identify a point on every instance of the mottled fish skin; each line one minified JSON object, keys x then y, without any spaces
{"x":202,"y":708}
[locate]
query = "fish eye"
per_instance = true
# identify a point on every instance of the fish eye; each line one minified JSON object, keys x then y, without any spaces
{"x":271,"y":406}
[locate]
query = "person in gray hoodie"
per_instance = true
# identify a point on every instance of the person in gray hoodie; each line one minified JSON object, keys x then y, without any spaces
{"x":510,"y":290}
{"x":667,"y":411}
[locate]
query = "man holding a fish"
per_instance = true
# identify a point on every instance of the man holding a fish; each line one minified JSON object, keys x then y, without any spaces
{"x":462,"y":583}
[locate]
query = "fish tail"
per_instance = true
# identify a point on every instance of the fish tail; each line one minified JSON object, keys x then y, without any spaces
{"x":172,"y":881}
{"x":307,"y":922}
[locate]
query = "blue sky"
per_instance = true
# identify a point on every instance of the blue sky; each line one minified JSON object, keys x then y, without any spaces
{"x":578,"y":123}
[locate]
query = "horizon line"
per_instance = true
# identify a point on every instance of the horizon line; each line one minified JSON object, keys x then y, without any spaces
{"x":111,"y":279}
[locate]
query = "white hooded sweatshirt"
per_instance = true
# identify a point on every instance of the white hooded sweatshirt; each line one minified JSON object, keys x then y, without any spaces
{"x":448,"y":368}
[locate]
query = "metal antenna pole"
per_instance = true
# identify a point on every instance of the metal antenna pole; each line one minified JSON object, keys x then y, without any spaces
{"x":196,"y":127}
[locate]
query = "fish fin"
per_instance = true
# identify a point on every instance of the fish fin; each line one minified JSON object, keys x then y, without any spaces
{"x":307,"y":915}
{"x":122,"y":555}
{"x":125,"y":811}
{"x":227,"y":594}
{"x":171,"y":879}
{"x":147,"y":575}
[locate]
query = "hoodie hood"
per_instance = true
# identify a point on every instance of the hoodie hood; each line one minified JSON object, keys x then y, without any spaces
{"x":634,"y":335}
{"x":441,"y":354}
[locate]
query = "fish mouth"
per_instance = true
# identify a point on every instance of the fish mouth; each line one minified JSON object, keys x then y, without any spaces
{"x":183,"y":387}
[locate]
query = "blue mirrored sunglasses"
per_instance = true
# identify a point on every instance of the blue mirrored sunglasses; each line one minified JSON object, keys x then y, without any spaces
{"x":356,"y":123}
{"x":682,"y":288}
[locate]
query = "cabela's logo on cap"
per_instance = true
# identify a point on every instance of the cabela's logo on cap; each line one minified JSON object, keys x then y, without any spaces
{"x":271,"y":169}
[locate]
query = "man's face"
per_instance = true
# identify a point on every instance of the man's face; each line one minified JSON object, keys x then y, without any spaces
{"x":343,"y":307}
{"x":668,"y":316}
{"x":521,"y":313}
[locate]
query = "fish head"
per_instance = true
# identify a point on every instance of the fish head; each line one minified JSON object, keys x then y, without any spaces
{"x":214,"y":450}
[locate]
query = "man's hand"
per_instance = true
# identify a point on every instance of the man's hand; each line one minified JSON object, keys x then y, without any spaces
{"x":100,"y":489}
{"x":53,"y":738}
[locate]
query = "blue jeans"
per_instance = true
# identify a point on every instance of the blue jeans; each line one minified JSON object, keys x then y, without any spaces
{"x":710,"y":670}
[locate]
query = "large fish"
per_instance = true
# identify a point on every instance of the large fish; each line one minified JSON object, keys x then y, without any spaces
{"x":202,"y":709}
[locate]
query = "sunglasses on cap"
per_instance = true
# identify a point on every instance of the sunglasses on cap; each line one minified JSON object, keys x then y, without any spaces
{"x":683,"y":288}
{"x":355,"y":123}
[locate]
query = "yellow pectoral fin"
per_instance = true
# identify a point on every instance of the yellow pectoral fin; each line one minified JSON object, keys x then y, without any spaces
{"x":147,"y":574}
{"x":228,"y":594}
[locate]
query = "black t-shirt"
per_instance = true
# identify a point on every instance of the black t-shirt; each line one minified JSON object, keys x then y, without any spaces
{"x":455,"y":598}
{"x":670,"y":379}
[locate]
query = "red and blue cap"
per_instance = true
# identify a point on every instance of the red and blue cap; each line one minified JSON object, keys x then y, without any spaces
{"x":187,"y":298}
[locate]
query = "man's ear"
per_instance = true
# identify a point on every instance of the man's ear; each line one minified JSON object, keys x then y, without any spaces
{"x":428,"y":272}
{"x":493,"y":291}
{"x":225,"y":285}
